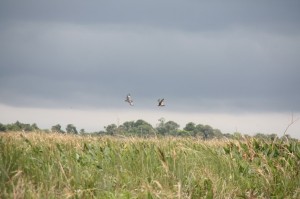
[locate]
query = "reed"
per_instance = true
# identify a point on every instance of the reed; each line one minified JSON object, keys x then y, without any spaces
{"x":41,"y":165}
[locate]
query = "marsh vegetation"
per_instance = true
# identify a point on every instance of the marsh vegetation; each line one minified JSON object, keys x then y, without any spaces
{"x":53,"y":165}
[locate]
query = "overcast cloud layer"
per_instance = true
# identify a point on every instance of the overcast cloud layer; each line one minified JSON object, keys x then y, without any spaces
{"x":202,"y":56}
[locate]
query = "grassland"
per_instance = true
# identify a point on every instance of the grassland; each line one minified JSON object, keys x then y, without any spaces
{"x":41,"y":165}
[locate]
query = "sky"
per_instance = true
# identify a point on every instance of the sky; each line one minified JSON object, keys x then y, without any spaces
{"x":233,"y":65}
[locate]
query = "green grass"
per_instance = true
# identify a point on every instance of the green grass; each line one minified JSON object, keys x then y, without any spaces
{"x":40,"y":165}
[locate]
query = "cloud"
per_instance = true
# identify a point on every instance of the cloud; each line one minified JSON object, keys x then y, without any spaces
{"x":200,"y":56}
{"x":177,"y":14}
{"x":94,"y":64}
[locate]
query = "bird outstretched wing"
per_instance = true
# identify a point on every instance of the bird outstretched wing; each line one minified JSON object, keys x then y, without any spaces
{"x":161,"y":102}
{"x":129,"y":100}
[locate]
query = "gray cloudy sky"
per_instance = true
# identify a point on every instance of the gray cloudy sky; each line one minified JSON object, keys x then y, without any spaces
{"x":202,"y":56}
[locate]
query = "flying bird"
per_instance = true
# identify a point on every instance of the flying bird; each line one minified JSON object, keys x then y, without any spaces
{"x":161,"y":102}
{"x":129,"y":100}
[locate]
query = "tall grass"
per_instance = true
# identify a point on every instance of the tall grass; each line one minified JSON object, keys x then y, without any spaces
{"x":40,"y":165}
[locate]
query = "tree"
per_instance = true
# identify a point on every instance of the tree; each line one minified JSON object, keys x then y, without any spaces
{"x":200,"y":130}
{"x":217,"y":133}
{"x":171,"y":127}
{"x":162,"y":120}
{"x":261,"y":136}
{"x":182,"y":133}
{"x":56,"y":128}
{"x":34,"y":126}
{"x":209,"y":132}
{"x":82,"y":131}
{"x":237,"y":135}
{"x":228,"y":135}
{"x":128,"y":126}
{"x":111,"y":129}
{"x":273,"y":136}
{"x":18,"y":126}
{"x":2,"y":127}
{"x":161,"y":126}
{"x":26,"y":127}
{"x":190,"y":127}
{"x":141,"y":122}
{"x":15,"y":126}
{"x":167,"y":128}
{"x":71,"y":129}
{"x":142,"y":127}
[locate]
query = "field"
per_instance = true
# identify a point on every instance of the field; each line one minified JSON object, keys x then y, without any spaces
{"x":48,"y":165}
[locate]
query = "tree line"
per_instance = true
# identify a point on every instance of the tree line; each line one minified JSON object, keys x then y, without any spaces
{"x":140,"y":128}
{"x":163,"y":128}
